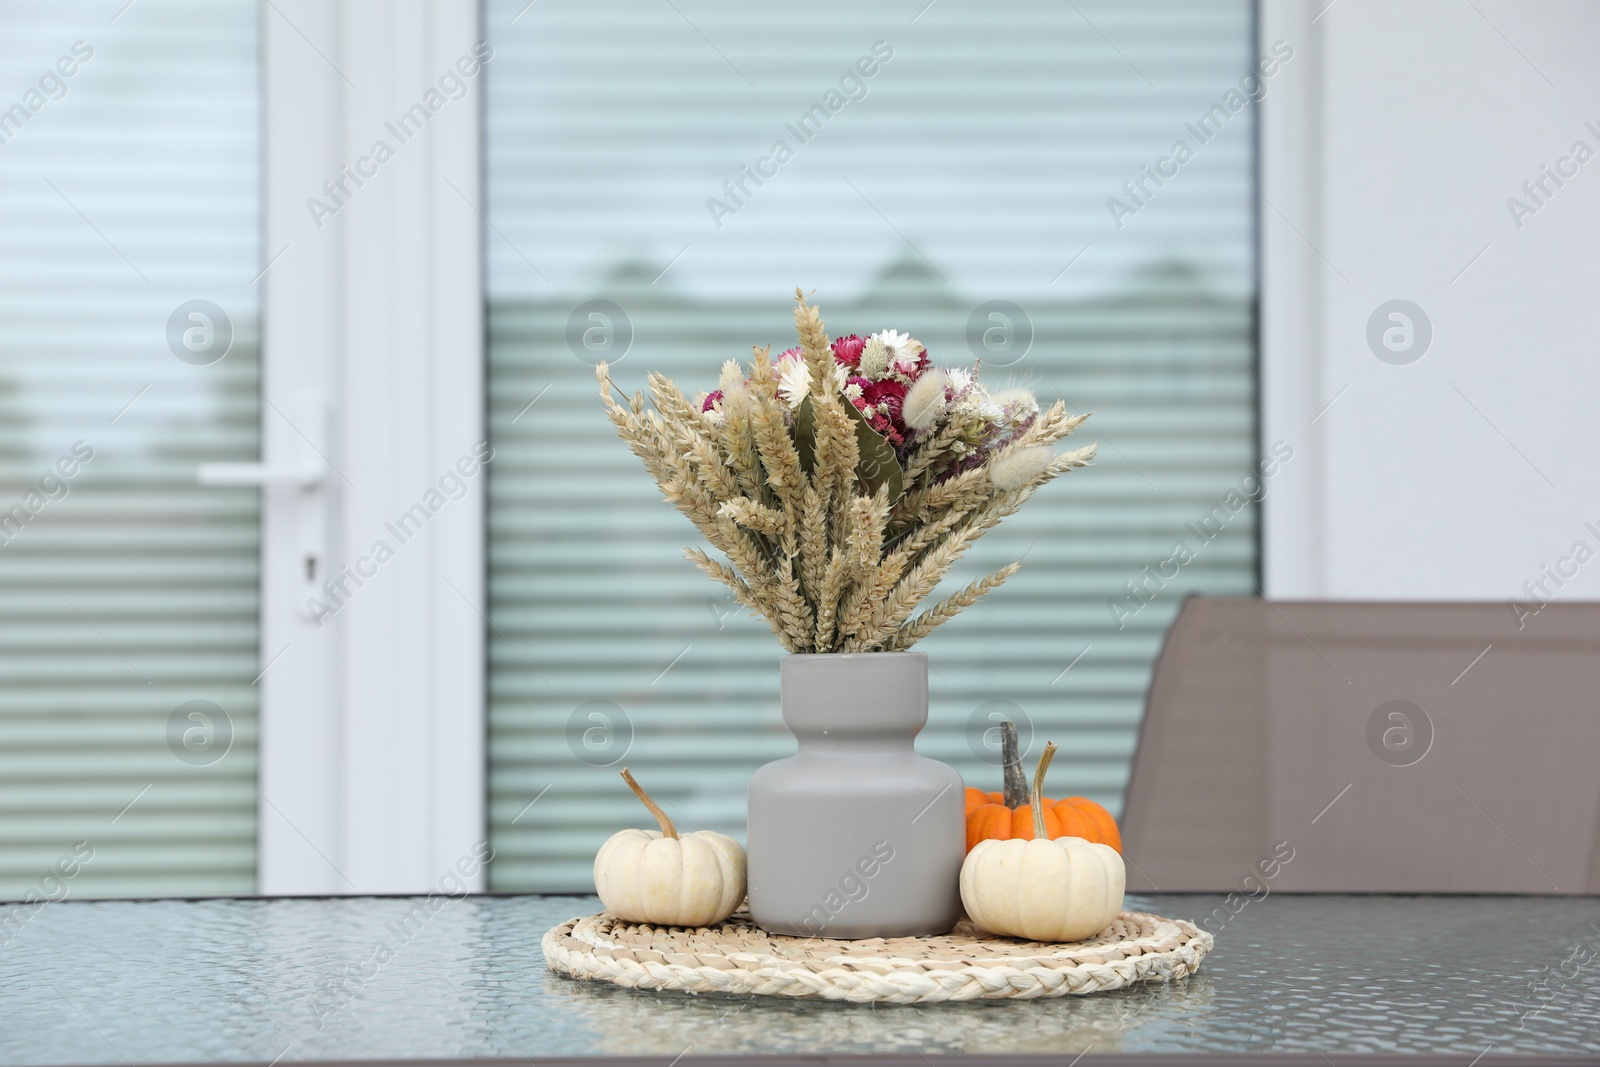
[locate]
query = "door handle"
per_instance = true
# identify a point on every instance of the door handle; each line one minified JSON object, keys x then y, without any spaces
{"x":307,"y":471}
{"x":261,"y":474}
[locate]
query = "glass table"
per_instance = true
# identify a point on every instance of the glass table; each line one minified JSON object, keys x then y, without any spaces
{"x":1306,"y":978}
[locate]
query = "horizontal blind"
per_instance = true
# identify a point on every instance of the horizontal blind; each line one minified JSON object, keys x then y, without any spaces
{"x":129,"y":187}
{"x":977,"y":167}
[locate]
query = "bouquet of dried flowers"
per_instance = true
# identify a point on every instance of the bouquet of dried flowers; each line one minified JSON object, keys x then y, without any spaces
{"x":843,"y":479}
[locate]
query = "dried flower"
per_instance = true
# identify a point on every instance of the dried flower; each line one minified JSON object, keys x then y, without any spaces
{"x":1016,"y":404}
{"x":847,"y":350}
{"x":924,"y":402}
{"x":843,"y":480}
{"x":874,"y":361}
{"x":794,"y":378}
{"x":901,"y":347}
{"x":1016,"y":467}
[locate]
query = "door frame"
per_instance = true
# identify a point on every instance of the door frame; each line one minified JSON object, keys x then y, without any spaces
{"x":372,"y":691}
{"x":1291,"y":279}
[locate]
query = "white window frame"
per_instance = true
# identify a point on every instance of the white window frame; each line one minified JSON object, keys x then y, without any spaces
{"x":372,"y":723}
{"x":1291,"y":285}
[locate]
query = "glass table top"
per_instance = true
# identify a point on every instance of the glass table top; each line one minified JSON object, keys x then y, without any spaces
{"x":235,"y":980}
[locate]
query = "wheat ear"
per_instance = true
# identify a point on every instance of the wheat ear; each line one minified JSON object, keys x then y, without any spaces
{"x":925,"y":623}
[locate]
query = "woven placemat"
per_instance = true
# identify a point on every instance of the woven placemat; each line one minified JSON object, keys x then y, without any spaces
{"x":739,"y":957}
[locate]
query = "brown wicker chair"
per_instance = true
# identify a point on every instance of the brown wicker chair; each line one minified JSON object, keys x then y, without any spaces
{"x":1373,"y":748}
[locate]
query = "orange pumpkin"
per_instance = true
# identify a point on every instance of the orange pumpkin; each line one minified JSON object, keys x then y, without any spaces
{"x":1007,"y":815}
{"x":977,"y":798}
{"x":1082,"y":817}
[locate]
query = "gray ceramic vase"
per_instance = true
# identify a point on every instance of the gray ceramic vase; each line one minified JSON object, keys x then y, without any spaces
{"x":856,"y":835}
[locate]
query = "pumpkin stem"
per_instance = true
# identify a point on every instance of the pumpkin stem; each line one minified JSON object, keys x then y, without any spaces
{"x":1016,"y":783}
{"x":667,"y":829}
{"x":1038,"y":789}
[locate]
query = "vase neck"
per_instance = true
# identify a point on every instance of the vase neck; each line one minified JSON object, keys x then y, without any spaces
{"x":855,"y":702}
{"x":861,"y":741}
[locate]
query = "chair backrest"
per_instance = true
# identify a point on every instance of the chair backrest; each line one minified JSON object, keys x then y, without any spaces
{"x":1363,"y":747}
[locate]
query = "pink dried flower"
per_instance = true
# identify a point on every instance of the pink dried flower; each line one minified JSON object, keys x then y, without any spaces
{"x":712,"y":399}
{"x":847,"y":350}
{"x":910,"y":368}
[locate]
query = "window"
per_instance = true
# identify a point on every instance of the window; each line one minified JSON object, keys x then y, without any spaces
{"x":986,"y":187}
{"x":129,"y":183}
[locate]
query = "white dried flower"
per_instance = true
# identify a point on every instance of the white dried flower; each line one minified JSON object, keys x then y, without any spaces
{"x":794,"y":381}
{"x":1018,"y":404}
{"x":975,"y":402}
{"x":924,"y":401}
{"x":1017,"y":467}
{"x":901,"y":346}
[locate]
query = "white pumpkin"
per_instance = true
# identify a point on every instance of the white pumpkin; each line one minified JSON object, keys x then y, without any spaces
{"x":1066,"y":889}
{"x":666,"y":878}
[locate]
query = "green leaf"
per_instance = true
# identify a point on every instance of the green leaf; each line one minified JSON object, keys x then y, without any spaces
{"x":805,"y":435}
{"x":878,"y":466}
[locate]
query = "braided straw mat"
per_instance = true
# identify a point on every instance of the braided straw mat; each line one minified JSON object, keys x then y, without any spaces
{"x":737,"y":956}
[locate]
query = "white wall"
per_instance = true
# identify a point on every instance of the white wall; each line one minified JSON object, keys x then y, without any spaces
{"x":1389,"y":155}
